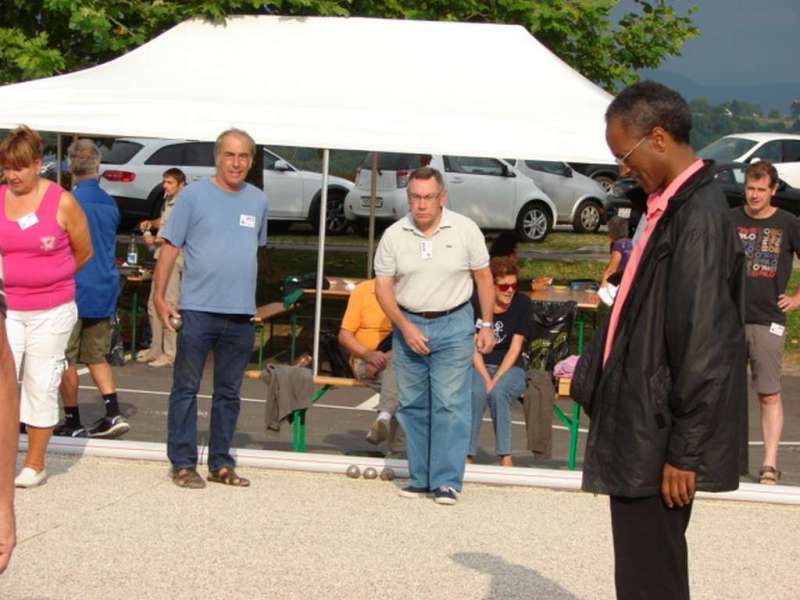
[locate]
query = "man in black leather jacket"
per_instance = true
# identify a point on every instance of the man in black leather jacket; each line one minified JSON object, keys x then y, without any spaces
{"x":664,"y":380}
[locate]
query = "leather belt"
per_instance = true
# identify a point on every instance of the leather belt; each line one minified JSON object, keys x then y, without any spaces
{"x":435,"y":314}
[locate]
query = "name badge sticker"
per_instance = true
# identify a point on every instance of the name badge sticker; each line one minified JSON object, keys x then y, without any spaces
{"x":776,"y":329}
{"x":247,"y":221}
{"x":27,"y":221}
{"x":426,"y":249}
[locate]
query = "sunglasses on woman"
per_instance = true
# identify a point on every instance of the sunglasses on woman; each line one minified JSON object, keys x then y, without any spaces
{"x":504,"y":287}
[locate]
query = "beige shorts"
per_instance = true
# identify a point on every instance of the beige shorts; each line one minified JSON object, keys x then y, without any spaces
{"x":765,"y":354}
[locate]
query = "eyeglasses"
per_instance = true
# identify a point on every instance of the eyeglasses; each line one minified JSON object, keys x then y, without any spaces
{"x":621,"y":161}
{"x":426,"y":197}
{"x":504,"y":287}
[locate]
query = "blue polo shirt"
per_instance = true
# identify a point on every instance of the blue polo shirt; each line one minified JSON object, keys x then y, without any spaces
{"x":97,"y":283}
{"x":219,"y":233}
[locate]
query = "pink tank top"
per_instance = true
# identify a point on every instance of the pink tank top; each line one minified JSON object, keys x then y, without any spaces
{"x":37,"y":258}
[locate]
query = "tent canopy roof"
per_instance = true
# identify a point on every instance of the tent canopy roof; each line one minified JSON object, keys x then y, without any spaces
{"x":338,"y":83}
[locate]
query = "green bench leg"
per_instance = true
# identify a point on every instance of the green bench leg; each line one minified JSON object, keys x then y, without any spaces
{"x":299,"y":422}
{"x":134,"y":309}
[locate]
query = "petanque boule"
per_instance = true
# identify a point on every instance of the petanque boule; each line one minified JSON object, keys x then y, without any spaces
{"x":370,"y":473}
{"x":353,"y":472}
{"x":176,"y":322}
{"x":387,"y":474}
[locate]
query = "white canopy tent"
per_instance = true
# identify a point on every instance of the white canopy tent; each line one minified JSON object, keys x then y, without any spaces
{"x":332,"y":83}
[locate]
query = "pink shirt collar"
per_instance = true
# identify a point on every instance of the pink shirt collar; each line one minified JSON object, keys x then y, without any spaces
{"x":657,"y":201}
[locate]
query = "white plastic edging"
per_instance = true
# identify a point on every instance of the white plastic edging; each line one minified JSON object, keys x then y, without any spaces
{"x":332,"y":463}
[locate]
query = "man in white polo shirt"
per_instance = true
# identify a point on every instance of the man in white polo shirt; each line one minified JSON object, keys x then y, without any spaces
{"x":424,"y":267}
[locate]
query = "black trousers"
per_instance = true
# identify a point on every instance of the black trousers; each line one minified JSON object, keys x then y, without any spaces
{"x":650,"y":555}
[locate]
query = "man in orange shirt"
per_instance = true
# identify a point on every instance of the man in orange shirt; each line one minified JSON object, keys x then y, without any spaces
{"x":366,"y":334}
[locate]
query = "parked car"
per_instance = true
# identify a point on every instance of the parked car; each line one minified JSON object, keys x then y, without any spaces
{"x":490,"y":191}
{"x":782,"y":149}
{"x":628,"y":200}
{"x":579,"y":200}
{"x":604,"y":174}
{"x":131,"y":173}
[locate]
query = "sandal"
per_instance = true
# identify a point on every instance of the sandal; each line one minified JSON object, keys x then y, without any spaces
{"x":768,"y":475}
{"x":187,"y":477}
{"x":227,"y":476}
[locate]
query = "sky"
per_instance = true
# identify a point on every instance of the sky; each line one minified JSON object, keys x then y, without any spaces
{"x":741,"y":41}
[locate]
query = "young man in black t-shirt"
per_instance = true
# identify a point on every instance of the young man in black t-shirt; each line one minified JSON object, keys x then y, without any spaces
{"x":771,"y":239}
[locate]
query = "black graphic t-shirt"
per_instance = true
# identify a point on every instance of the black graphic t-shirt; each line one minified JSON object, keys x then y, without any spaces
{"x":770,"y":245}
{"x":513,"y":321}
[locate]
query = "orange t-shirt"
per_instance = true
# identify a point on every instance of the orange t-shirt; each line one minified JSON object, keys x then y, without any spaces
{"x":364,"y":317}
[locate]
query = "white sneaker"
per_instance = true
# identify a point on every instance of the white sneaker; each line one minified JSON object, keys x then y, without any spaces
{"x":145,"y":356}
{"x":29,"y":478}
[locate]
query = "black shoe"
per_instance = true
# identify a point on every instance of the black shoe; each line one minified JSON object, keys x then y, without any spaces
{"x":414,"y":492}
{"x":65,"y":429}
{"x":445,"y":495}
{"x":23,"y":429}
{"x":109,"y":427}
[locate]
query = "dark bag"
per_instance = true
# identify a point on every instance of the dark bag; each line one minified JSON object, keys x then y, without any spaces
{"x":549,"y":331}
{"x":116,"y":356}
{"x":337,"y":360}
{"x":586,"y":376}
{"x":305,"y":281}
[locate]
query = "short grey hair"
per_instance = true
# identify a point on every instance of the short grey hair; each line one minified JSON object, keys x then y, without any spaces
{"x":84,"y":158}
{"x":238,"y":132}
{"x":425,"y":173}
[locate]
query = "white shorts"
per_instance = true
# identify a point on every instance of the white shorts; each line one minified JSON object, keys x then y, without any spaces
{"x":38,"y":339}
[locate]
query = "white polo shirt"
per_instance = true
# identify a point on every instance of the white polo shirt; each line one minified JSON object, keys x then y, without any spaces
{"x":432,"y":273}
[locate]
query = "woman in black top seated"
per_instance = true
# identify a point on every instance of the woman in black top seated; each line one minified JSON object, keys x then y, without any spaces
{"x":499,"y":377}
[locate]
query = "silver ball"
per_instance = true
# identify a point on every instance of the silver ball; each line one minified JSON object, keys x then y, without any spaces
{"x":176,"y":322}
{"x":353,"y":472}
{"x":387,"y":474}
{"x":370,"y":473}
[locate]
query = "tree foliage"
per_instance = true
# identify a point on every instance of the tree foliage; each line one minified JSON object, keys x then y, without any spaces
{"x":44,"y":37}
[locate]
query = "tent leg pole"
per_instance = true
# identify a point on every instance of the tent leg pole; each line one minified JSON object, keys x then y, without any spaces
{"x":323,"y":211}
{"x":59,"y":157}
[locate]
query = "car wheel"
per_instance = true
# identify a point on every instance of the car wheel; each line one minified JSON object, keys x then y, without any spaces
{"x":534,"y":222}
{"x":588,"y":217}
{"x":335,"y":221}
{"x":606,"y":182}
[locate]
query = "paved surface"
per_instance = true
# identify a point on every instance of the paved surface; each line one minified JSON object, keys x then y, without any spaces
{"x":105,"y":528}
{"x":338,"y":423}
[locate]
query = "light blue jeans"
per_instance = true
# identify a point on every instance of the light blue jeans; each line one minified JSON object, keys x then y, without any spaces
{"x":510,"y":387}
{"x":434,"y":394}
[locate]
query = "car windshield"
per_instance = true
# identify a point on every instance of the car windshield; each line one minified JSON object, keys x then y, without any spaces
{"x":120,"y":153}
{"x":393,"y":161}
{"x":726,"y":149}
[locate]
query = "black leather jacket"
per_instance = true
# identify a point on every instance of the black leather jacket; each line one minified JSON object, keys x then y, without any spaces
{"x":674,"y":388}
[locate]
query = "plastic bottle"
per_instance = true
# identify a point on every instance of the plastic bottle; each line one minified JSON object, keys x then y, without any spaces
{"x":133,"y":250}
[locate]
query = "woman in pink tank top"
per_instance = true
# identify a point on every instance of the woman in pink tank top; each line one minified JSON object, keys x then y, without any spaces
{"x":44,"y":239}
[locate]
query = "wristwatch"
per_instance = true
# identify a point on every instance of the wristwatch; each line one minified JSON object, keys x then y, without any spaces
{"x":481,"y":323}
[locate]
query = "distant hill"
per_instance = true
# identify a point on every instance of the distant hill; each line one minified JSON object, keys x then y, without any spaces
{"x":768,"y":96}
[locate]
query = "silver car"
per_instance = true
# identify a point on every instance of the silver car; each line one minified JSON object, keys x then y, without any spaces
{"x":579,"y":199}
{"x":488,"y":190}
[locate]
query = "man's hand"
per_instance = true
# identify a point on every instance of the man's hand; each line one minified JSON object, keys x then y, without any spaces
{"x":786,"y":303}
{"x":484,"y":341}
{"x":488,"y":384}
{"x":415,"y":340}
{"x":165,"y":311}
{"x":8,"y":538}
{"x":677,"y":486}
{"x":376,"y":359}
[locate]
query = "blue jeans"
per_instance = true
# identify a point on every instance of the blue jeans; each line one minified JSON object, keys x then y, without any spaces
{"x":230,"y":337}
{"x":510,"y":387}
{"x":434,"y":394}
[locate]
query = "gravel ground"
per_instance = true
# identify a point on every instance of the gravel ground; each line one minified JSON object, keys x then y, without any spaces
{"x":105,"y":528}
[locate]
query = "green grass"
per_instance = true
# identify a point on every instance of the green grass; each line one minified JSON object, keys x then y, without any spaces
{"x":567,"y":241}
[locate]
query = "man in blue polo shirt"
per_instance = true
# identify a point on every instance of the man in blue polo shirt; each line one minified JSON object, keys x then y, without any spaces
{"x":96,"y":290}
{"x":219,"y":223}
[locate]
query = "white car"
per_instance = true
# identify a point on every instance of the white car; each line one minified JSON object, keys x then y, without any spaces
{"x":131,"y":173}
{"x":578,"y":198}
{"x":781,"y":149}
{"x":491,"y":192}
